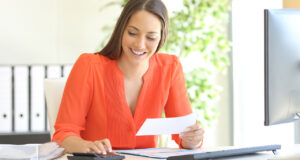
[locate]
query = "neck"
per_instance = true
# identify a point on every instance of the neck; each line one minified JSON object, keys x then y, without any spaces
{"x":132,"y":71}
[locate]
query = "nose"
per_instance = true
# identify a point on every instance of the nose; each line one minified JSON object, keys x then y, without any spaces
{"x":140,"y":43}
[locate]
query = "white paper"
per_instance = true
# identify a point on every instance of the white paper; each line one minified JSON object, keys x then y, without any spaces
{"x":157,"y":126}
{"x":9,"y":151}
{"x":30,"y":151}
{"x":161,"y":153}
{"x":49,"y":151}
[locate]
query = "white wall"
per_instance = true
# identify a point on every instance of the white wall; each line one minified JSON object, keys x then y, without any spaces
{"x":248,"y":76}
{"x":51,"y":31}
{"x":223,"y":133}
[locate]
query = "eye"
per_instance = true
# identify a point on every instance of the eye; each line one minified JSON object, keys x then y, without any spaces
{"x":150,"y":38}
{"x":131,"y":33}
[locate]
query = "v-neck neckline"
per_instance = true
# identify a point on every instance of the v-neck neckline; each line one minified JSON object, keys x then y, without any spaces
{"x":141,"y":94}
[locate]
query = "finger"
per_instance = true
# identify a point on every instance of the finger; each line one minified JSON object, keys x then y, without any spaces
{"x":192,"y":128}
{"x":192,"y":142}
{"x":195,"y":139}
{"x":191,"y":133}
{"x":87,"y":150}
{"x":100,"y":147}
{"x":94,"y":148}
{"x":107,"y":144}
{"x":192,"y":138}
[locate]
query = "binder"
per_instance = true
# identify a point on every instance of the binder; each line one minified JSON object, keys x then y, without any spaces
{"x":21,"y":99}
{"x":5,"y":99}
{"x":54,"y":71}
{"x":67,"y":70}
{"x":37,"y":99}
{"x":16,"y":81}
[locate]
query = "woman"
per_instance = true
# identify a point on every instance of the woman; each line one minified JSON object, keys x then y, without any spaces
{"x":109,"y":95}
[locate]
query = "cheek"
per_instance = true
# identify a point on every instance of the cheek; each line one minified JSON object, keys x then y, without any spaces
{"x":124,"y":41}
{"x":127,"y":40}
{"x":153,"y":45}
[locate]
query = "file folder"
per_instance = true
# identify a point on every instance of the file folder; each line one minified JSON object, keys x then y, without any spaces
{"x":37,"y":99}
{"x":67,"y":70}
{"x":5,"y":99}
{"x":54,"y":71}
{"x":21,"y":98}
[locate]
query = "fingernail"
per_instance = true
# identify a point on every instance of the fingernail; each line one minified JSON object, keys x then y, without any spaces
{"x":110,"y":150}
{"x":104,"y":152}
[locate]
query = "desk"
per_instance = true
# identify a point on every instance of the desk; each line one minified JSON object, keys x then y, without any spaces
{"x":258,"y":156}
{"x":127,"y":157}
{"x":285,"y":153}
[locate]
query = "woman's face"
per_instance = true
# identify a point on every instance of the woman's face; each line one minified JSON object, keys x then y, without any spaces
{"x":141,"y":37}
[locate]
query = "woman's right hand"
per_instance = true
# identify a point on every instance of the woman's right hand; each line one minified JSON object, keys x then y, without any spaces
{"x":77,"y":144}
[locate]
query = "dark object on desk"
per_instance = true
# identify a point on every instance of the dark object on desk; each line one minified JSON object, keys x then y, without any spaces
{"x":94,"y":156}
{"x":24,"y":137}
{"x":227,"y":153}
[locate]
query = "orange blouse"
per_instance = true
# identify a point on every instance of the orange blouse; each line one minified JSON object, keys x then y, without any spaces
{"x":94,"y":105}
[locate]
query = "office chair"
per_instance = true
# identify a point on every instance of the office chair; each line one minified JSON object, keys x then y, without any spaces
{"x":54,"y":88}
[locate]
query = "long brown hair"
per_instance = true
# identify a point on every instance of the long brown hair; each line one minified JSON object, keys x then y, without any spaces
{"x":113,"y":48}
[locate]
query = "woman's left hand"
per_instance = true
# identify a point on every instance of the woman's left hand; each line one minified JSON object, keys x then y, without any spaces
{"x":192,"y":137}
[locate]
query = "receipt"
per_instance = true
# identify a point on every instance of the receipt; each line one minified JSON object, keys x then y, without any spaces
{"x":157,"y":126}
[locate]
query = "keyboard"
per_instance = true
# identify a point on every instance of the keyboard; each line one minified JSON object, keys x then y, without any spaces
{"x":94,"y":156}
{"x":227,"y":152}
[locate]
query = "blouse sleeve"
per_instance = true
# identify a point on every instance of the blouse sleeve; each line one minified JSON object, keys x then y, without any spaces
{"x":178,"y":103}
{"x":76,"y":100}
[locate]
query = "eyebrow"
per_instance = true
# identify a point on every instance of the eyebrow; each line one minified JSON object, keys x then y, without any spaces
{"x":138,"y":30}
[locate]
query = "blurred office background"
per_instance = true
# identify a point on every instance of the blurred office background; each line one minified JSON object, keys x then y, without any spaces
{"x":54,"y":33}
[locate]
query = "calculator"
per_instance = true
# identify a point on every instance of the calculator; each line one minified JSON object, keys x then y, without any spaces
{"x":95,"y":156}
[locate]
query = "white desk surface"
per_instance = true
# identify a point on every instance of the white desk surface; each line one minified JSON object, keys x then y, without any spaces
{"x":259,"y":156}
{"x":285,"y":153}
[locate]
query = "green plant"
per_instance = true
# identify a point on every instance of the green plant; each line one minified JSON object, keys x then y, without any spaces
{"x":198,"y":31}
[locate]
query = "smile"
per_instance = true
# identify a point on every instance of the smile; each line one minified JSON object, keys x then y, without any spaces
{"x":137,"y":53}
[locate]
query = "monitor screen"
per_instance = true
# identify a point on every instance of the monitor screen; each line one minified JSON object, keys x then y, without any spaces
{"x":282,"y":65}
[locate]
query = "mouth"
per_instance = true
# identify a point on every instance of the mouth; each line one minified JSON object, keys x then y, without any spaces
{"x":136,"y":53}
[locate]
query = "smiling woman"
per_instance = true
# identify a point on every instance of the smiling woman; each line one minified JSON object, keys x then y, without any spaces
{"x":108,"y":95}
{"x":113,"y":48}
{"x":140,"y":39}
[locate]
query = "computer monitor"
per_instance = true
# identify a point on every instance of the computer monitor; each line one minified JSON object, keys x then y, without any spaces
{"x":282,"y":65}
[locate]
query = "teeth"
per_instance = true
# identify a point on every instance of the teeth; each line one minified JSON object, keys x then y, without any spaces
{"x":138,"y":53}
